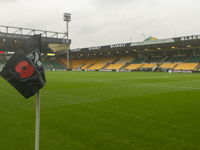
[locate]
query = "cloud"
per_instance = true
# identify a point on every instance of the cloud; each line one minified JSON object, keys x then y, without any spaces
{"x":101,"y":22}
{"x":113,"y":2}
{"x":8,"y":1}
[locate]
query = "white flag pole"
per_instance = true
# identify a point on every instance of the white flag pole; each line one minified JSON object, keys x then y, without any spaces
{"x":37,"y":123}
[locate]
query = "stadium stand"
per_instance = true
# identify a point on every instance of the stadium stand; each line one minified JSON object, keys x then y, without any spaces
{"x":52,"y":65}
{"x":168,"y":65}
{"x":47,"y":65}
{"x":151,"y":65}
{"x":114,"y":66}
{"x":186,"y":66}
{"x":103,"y":63}
{"x":122,"y":61}
{"x":3,"y":62}
{"x":129,"y":62}
{"x":134,"y":66}
{"x":153,"y":60}
{"x":57,"y":65}
{"x":89,"y":62}
{"x":64,"y":61}
{"x":125,"y":59}
{"x":138,"y":60}
{"x":181,"y":63}
{"x":194,"y":59}
{"x":177,"y":59}
{"x":168,"y":60}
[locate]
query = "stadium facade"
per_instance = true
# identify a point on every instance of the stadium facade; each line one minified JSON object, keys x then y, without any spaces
{"x":178,"y":53}
{"x":177,"y":43}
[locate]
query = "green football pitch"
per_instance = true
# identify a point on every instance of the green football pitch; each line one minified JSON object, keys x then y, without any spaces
{"x":105,"y":111}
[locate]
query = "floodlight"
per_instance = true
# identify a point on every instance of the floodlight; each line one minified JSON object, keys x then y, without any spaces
{"x":67,"y":17}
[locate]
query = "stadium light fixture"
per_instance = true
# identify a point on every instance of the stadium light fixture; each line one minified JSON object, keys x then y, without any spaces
{"x":67,"y":18}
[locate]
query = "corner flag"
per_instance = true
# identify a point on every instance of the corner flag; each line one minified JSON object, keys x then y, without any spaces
{"x":24,"y":70}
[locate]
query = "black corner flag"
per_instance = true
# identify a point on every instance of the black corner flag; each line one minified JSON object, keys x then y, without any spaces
{"x":24,"y":70}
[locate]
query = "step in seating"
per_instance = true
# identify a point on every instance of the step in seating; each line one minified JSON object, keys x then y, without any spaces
{"x":194,"y":59}
{"x":186,"y":66}
{"x":121,"y":61}
{"x":151,"y":65}
{"x":167,"y":65}
{"x":134,"y":66}
{"x":52,"y":65}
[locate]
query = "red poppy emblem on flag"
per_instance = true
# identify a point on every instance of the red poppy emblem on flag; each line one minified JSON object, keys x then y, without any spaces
{"x":25,"y":69}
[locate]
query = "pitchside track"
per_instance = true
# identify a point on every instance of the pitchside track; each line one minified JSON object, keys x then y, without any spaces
{"x":105,"y":111}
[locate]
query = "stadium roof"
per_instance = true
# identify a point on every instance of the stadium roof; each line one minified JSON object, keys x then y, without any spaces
{"x":184,"y":42}
{"x":12,"y":37}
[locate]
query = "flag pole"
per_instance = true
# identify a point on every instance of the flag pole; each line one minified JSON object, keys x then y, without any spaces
{"x":37,"y":123}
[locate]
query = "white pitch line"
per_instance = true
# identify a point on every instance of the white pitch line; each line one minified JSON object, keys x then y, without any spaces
{"x":167,"y":86}
{"x":181,"y":87}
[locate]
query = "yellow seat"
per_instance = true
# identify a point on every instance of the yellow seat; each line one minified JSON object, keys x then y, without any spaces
{"x":134,"y":66}
{"x":186,"y":66}
{"x":168,"y":65}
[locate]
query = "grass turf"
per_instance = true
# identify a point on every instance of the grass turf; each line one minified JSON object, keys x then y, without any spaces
{"x":105,"y":110}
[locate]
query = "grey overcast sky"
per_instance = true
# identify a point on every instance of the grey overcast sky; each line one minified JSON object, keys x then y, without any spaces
{"x":105,"y":22}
